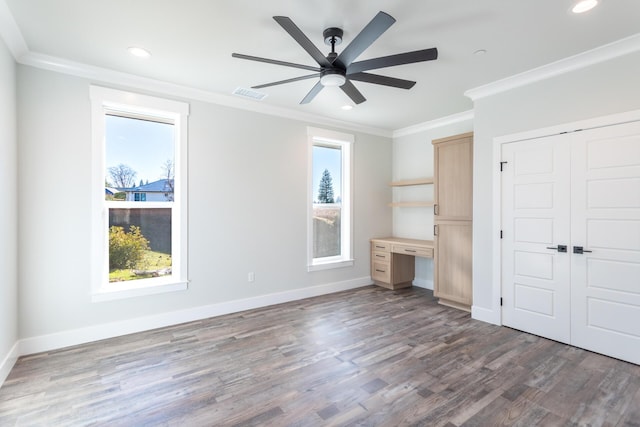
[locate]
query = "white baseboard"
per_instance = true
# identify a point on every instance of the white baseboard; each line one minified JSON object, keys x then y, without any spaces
{"x":7,"y":363}
{"x":486,"y":315}
{"x":114,"y":329}
{"x":423,"y":283}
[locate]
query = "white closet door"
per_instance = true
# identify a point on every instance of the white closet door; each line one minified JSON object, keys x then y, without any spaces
{"x":535,"y":218}
{"x":606,"y":220}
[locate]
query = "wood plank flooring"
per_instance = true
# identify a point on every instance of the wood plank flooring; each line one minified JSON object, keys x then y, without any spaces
{"x":367,"y":357}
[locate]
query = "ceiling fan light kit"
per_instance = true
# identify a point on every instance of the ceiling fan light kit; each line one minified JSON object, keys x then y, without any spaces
{"x":332,"y":78}
{"x":340,"y":69}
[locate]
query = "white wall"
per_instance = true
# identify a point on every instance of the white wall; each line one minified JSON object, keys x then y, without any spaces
{"x":601,"y":89}
{"x":413,"y":158}
{"x":8,"y":211}
{"x":247,"y":208}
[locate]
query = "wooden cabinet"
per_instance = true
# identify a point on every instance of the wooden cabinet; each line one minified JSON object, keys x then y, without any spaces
{"x":452,"y":272}
{"x":392,"y":260}
{"x":453,"y":208}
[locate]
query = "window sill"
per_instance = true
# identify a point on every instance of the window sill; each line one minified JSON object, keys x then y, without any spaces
{"x":328,"y":265}
{"x":118,"y":291}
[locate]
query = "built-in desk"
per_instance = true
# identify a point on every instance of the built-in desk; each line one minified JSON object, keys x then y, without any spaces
{"x":392,"y":260}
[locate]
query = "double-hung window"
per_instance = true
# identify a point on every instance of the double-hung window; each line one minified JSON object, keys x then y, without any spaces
{"x":330,"y":215}
{"x":139,"y":197}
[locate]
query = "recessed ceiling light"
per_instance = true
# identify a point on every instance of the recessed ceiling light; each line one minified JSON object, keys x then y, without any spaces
{"x":347,"y":107}
{"x":584,"y":5}
{"x":139,"y":52}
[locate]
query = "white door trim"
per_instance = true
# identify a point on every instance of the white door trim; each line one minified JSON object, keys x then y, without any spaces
{"x":494,"y":314}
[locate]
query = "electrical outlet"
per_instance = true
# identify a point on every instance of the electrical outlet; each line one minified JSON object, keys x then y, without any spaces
{"x":251,"y":276}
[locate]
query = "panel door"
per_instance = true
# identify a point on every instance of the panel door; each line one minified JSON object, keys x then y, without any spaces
{"x":536,"y":219}
{"x":606,"y":221}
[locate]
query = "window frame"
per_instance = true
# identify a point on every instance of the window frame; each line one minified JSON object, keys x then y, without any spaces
{"x":133,"y":105}
{"x":345,"y":142}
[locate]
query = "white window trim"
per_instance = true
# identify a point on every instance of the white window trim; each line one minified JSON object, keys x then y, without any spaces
{"x":102,"y":100}
{"x":344,"y":141}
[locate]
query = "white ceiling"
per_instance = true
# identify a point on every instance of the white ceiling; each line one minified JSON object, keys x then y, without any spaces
{"x":192,"y":42}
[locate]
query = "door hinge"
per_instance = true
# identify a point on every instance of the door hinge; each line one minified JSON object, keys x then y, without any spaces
{"x":501,"y":234}
{"x":502,"y":165}
{"x":500,"y":301}
{"x":435,"y":229}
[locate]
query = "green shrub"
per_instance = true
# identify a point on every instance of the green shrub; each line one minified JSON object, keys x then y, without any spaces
{"x":126,"y":250}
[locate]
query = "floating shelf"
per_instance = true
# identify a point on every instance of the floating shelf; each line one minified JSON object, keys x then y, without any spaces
{"x":407,"y":182}
{"x":410,"y":204}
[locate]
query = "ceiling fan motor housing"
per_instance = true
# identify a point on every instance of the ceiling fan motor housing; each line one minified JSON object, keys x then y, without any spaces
{"x":333,"y":76}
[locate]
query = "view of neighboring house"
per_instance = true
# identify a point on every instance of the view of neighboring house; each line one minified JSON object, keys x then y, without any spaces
{"x":157,"y":191}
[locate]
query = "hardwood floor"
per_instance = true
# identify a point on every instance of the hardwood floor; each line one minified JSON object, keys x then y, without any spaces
{"x":370,"y":357}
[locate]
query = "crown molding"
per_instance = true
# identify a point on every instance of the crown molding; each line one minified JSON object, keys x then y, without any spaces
{"x":10,"y":32}
{"x":433,"y":124}
{"x":104,"y":75}
{"x":602,"y":53}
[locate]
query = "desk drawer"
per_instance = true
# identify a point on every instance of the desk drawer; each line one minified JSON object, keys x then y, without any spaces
{"x":380,"y":246}
{"x":380,"y":256}
{"x":381,"y":271}
{"x":412,"y":250}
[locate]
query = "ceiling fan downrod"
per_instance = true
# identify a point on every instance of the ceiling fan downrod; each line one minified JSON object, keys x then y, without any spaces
{"x":332,"y":37}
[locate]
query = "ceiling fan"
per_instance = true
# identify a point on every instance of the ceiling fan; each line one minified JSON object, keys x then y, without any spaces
{"x":339,"y":69}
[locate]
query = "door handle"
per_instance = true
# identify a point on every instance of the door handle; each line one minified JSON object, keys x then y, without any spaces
{"x":559,"y":248}
{"x":579,"y":250}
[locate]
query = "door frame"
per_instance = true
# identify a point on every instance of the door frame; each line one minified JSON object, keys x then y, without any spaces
{"x":494,"y":314}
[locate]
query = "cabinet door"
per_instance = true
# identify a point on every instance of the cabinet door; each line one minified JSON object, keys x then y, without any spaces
{"x":453,"y":262}
{"x":454,"y":178}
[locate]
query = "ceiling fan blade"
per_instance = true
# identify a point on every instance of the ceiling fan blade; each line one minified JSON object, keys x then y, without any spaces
{"x":302,"y":40}
{"x":382,"y":80}
{"x":295,"y":79}
{"x":352,"y":92}
{"x":312,"y":93}
{"x":374,"y":29}
{"x":391,"y":60}
{"x":275,"y":61}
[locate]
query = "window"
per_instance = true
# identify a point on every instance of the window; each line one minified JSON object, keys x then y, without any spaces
{"x":139,"y":194}
{"x":330,"y":219}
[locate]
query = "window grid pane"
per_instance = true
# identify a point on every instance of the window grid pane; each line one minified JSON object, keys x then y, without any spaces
{"x":327,"y":209}
{"x":139,"y":243}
